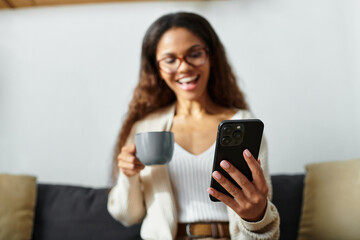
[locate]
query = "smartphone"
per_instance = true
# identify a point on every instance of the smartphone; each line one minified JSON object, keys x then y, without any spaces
{"x":233,"y":137}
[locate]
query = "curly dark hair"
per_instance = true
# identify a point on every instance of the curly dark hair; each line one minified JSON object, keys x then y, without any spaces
{"x":152,"y":93}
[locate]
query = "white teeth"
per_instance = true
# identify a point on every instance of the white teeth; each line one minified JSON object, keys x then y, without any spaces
{"x":187,"y":79}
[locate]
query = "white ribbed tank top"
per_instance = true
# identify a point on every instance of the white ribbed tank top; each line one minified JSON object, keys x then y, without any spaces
{"x":190,"y":177}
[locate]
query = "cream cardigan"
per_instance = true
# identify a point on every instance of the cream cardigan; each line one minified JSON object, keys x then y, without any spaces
{"x":149,"y":197}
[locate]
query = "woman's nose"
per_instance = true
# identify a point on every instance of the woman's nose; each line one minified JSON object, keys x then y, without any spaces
{"x":184,"y":66}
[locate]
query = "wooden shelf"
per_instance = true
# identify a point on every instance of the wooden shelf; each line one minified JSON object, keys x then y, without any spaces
{"x":35,"y":3}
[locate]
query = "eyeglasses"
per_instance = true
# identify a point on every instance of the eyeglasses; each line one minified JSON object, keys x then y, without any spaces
{"x":196,"y":58}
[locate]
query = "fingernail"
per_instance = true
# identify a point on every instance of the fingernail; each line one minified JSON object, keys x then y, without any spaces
{"x":247,"y":153}
{"x":210,"y":191}
{"x":225,"y":164}
{"x":217,"y":175}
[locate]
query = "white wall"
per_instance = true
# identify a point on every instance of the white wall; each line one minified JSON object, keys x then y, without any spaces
{"x":67,"y":73}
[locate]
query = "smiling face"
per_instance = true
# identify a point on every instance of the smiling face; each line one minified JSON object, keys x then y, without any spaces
{"x":190,"y":81}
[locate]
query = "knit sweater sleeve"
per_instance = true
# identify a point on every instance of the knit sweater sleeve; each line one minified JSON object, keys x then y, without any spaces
{"x":126,"y":200}
{"x":266,"y":229}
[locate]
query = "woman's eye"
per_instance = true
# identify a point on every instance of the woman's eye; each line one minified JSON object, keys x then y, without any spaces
{"x":169,"y":60}
{"x":195,"y":54}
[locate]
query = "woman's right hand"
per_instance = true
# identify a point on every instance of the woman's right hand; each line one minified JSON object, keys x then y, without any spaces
{"x":128,"y":162}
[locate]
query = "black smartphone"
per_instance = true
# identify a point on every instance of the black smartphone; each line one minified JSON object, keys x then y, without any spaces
{"x":233,"y":137}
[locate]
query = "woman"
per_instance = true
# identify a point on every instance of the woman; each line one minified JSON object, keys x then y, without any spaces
{"x":186,"y":86}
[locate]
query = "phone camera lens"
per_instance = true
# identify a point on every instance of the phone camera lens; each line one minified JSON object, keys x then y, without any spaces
{"x":227,"y":130}
{"x":226,"y":140}
{"x":237,"y":134}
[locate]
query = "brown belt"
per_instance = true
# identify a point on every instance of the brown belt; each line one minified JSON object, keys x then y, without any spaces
{"x":201,"y":230}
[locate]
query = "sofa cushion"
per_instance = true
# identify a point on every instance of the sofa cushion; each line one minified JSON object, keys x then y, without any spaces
{"x":17,"y":204}
{"x":331,"y":201}
{"x":287,"y":197}
{"x":72,"y":212}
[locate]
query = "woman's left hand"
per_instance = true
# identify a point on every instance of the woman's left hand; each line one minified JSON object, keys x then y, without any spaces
{"x":249,"y":202}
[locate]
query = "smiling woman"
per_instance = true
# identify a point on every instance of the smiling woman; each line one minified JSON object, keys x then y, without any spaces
{"x":187,"y":86}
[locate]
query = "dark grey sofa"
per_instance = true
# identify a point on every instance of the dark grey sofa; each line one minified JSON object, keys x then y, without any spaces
{"x":79,"y":213}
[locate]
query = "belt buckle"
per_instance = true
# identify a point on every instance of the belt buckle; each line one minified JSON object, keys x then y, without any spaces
{"x":214,"y":232}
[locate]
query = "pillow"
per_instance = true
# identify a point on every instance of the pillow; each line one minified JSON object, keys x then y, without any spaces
{"x":17,"y":205}
{"x":331,"y":201}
